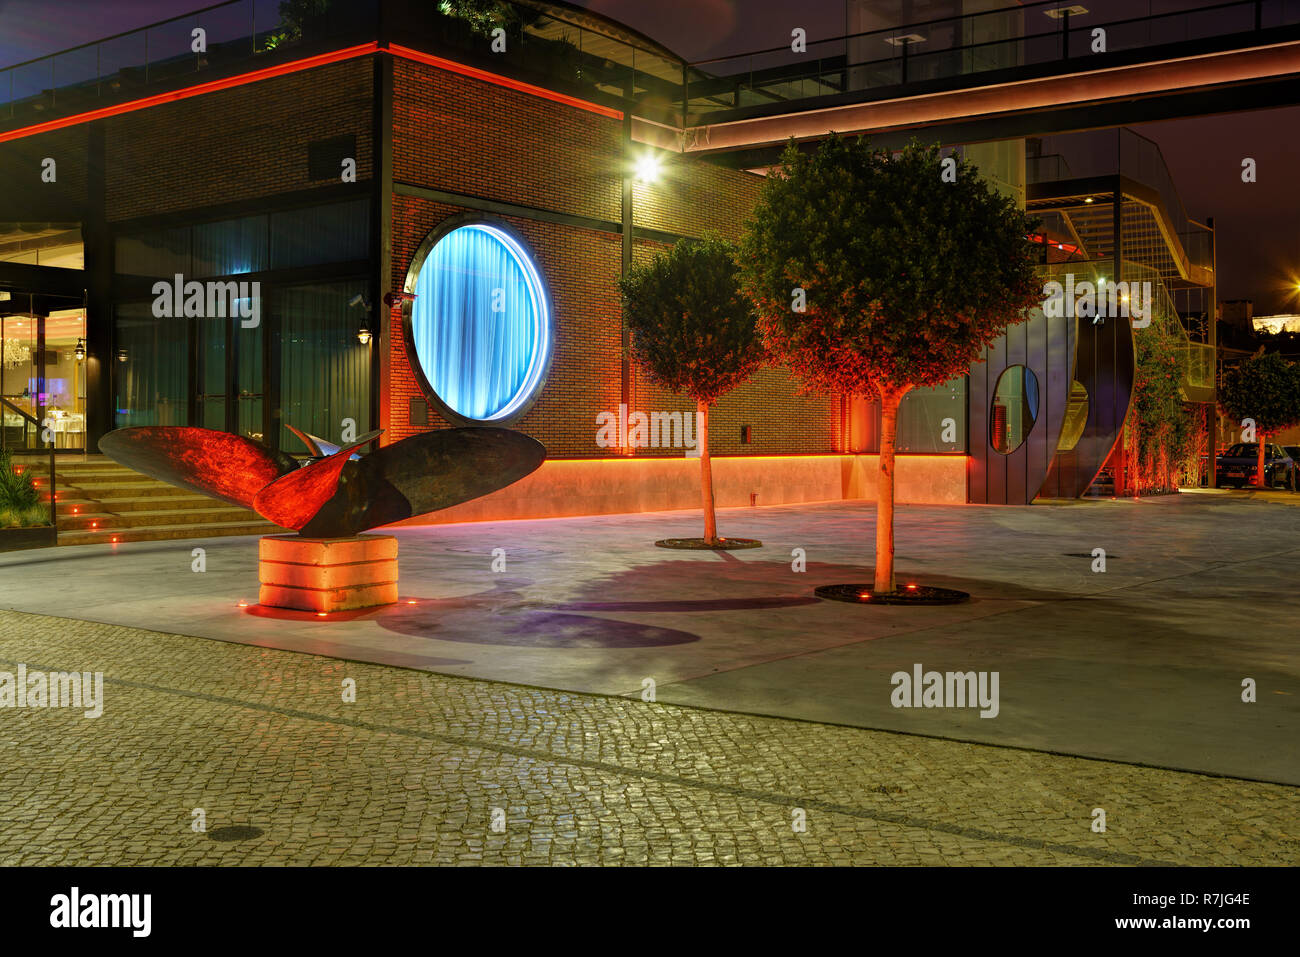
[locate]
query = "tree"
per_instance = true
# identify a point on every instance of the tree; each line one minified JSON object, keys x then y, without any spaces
{"x":294,"y":14}
{"x":1266,"y":389}
{"x":693,"y":332}
{"x":1166,"y":427}
{"x":873,"y":276}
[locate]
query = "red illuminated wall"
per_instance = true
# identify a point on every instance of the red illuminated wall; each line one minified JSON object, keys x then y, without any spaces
{"x":460,"y":135}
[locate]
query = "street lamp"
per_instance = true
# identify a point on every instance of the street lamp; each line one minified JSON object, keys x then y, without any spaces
{"x":647,"y":168}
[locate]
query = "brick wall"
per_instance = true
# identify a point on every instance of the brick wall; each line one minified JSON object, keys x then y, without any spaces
{"x":236,"y":144}
{"x":467,"y":136}
{"x":581,"y":267}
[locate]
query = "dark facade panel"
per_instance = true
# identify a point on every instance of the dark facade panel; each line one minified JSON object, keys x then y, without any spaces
{"x":1044,"y":346}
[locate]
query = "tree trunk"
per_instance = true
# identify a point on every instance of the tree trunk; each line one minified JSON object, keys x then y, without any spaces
{"x":889,"y":400}
{"x":706,"y":473}
{"x":1259,"y":462}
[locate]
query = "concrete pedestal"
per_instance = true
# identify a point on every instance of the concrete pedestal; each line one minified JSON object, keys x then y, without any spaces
{"x":327,"y":574}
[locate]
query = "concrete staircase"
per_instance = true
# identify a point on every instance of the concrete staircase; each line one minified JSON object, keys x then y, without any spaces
{"x":100,"y":502}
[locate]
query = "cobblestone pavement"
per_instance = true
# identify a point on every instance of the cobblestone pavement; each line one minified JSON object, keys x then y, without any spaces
{"x":412,"y":771}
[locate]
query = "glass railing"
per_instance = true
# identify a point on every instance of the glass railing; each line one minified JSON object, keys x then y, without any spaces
{"x":237,"y":33}
{"x":83,"y":77}
{"x":1199,"y":366}
{"x":1011,"y":36}
{"x":546,"y":45}
{"x":1097,"y":153}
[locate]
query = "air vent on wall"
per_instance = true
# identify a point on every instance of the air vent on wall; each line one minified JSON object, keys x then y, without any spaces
{"x":325,"y":157}
{"x":419,"y":412}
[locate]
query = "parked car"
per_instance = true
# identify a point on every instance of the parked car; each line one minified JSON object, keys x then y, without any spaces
{"x":1294,"y":454}
{"x":1236,"y":466}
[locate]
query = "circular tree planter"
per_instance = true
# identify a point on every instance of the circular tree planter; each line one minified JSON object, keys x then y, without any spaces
{"x":910,"y":595}
{"x":699,"y":544}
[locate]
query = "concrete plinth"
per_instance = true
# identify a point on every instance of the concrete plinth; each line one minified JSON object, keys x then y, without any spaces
{"x":327,"y":574}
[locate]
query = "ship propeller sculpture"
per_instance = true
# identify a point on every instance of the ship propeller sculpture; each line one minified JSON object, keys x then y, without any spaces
{"x":337,"y":493}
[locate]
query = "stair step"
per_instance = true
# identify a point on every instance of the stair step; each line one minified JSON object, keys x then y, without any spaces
{"x":100,"y":501}
{"x":154,"y":533}
{"x":147,"y":503}
{"x":108,"y":491}
{"x":146,"y":519}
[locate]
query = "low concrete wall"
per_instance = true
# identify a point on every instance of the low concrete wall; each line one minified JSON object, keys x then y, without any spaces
{"x":568,"y":487}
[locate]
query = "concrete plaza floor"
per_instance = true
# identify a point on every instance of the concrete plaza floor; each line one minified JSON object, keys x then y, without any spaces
{"x":1143,"y":663}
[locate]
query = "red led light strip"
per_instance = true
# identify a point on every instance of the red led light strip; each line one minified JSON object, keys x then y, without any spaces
{"x":296,"y":66}
{"x":242,"y":79}
{"x":452,"y":66}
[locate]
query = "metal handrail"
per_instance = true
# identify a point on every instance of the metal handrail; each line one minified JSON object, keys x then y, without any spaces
{"x":54,"y":508}
{"x":753,"y":81}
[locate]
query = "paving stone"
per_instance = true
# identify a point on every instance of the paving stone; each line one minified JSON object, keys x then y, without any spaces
{"x":409,"y":774}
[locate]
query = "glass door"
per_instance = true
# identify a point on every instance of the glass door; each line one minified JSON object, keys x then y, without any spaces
{"x":230,"y":377}
{"x":20,"y":380}
{"x":211,"y":341}
{"x":65,"y":378}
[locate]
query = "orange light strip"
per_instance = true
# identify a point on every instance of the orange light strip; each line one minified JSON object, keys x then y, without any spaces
{"x":452,"y":66}
{"x":308,"y":63}
{"x":294,"y":66}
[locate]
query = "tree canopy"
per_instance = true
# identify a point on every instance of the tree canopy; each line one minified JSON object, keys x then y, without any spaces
{"x":692,"y":329}
{"x":1266,"y":388}
{"x":906,"y":273}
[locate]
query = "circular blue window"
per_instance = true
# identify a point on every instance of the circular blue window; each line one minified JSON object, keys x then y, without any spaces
{"x":480,"y":325}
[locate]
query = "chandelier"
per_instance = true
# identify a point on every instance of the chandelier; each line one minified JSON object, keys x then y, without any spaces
{"x":15,"y":354}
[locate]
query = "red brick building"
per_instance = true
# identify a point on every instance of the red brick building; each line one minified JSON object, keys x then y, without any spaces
{"x":315,"y":161}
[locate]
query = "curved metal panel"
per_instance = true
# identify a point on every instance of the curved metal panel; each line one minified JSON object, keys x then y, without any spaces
{"x":1045,"y":346}
{"x":1105,"y":365}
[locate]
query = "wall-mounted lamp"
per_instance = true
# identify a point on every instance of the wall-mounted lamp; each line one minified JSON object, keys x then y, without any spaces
{"x":121,"y":355}
{"x":79,"y":353}
{"x":363,"y":336}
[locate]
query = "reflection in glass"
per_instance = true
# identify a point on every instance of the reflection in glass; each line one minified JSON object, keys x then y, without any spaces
{"x":1015,"y":408}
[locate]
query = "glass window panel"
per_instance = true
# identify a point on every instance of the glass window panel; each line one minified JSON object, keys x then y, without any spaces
{"x":1015,"y":409}
{"x":170,"y":50}
{"x":933,"y":419}
{"x":230,"y":247}
{"x":324,"y":369}
{"x":150,"y":374}
{"x":321,"y":234}
{"x":159,"y":253}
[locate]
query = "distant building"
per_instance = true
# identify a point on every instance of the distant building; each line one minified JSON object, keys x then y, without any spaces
{"x":1238,"y":312}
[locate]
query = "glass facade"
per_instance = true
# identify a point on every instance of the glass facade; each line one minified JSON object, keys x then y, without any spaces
{"x":151,"y":371}
{"x":301,"y":362}
{"x":933,"y":419}
{"x":324,"y":371}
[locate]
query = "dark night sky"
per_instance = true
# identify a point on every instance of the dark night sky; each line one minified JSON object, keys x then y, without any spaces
{"x":1259,"y":224}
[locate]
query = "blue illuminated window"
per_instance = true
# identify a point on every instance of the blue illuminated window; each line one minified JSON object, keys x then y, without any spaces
{"x":481,"y":324}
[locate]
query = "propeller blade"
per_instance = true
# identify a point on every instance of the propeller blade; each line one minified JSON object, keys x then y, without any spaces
{"x":424,"y":473}
{"x":293,"y":499}
{"x":229,"y":467}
